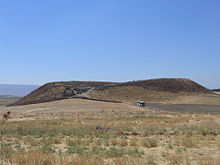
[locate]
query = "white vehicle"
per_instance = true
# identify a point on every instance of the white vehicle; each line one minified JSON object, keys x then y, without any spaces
{"x":141,"y":103}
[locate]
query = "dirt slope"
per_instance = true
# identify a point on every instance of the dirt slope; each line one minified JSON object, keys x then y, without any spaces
{"x":150,"y":90}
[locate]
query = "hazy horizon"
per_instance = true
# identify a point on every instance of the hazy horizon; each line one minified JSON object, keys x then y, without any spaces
{"x":16,"y":89}
{"x":118,"y":40}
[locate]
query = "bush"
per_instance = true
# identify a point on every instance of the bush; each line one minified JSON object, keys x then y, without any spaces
{"x":115,"y":152}
{"x":149,"y":143}
{"x":76,"y":149}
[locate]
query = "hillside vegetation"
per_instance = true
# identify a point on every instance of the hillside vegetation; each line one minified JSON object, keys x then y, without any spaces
{"x":155,"y":90}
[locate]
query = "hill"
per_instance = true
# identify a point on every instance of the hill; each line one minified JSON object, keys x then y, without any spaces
{"x":150,"y":90}
{"x":7,"y":90}
{"x":216,"y":90}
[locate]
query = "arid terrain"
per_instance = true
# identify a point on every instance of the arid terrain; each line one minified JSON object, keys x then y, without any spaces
{"x":61,"y":124}
{"x":78,"y":131}
{"x":8,"y":100}
{"x":154,"y":90}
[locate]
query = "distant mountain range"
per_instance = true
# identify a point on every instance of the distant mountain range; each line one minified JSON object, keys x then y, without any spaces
{"x":7,"y":90}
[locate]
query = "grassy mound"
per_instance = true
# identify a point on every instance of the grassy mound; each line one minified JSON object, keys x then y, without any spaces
{"x":150,"y":90}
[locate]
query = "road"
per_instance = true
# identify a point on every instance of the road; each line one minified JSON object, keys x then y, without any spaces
{"x":182,"y":108}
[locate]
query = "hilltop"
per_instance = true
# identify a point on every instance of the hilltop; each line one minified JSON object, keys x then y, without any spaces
{"x":150,"y":90}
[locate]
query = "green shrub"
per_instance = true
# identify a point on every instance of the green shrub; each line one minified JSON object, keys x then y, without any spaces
{"x":76,"y":149}
{"x":115,"y":152}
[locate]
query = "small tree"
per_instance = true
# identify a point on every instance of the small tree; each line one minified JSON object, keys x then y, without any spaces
{"x":5,"y":118}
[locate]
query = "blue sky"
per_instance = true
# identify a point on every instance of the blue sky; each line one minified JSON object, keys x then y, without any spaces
{"x":109,"y":40}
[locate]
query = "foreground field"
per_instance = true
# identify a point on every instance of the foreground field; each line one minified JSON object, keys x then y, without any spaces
{"x":89,"y":132}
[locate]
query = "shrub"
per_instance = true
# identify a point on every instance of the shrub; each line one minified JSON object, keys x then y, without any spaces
{"x":114,"y":142}
{"x":135,"y":152}
{"x":149,"y":143}
{"x":123,"y":143}
{"x":133,"y":142}
{"x":115,"y":152}
{"x":76,"y":149}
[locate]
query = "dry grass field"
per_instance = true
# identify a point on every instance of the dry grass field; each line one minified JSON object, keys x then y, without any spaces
{"x":6,"y":101}
{"x":74,"y":131}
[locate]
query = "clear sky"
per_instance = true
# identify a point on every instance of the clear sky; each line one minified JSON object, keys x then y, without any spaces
{"x":109,"y":40}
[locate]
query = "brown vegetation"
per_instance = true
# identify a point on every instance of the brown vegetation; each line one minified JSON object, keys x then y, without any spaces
{"x":156,"y":90}
{"x":124,"y":138}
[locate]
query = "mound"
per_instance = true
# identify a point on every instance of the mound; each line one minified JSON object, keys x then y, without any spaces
{"x":149,"y":90}
{"x":59,"y":90}
{"x":155,"y":90}
{"x":166,"y":84}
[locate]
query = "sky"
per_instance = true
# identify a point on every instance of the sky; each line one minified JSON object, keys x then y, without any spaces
{"x":109,"y":40}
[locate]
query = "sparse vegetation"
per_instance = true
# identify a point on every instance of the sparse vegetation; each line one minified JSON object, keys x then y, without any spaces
{"x":113,"y":137}
{"x":154,"y":90}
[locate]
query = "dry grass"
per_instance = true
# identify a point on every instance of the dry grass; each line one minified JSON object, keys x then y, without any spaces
{"x":133,"y":142}
{"x":149,"y":143}
{"x":9,"y":100}
{"x":132,"y":93}
{"x":205,"y":99}
{"x":125,"y":137}
{"x":123,"y":142}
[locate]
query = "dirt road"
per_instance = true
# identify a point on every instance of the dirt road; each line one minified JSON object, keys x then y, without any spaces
{"x":183,"y":108}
